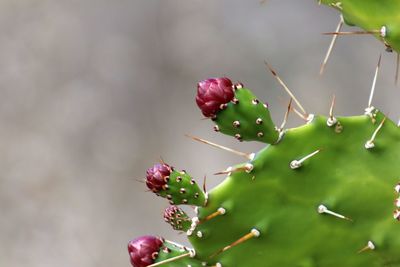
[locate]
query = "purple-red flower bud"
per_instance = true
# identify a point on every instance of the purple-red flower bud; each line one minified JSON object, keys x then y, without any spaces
{"x":171,"y":212}
{"x":177,"y":218}
{"x":212,"y":93}
{"x":157,"y":177}
{"x":144,"y":250}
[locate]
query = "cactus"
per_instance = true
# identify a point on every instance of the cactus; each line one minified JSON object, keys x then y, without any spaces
{"x":323,"y":194}
{"x":379,"y":18}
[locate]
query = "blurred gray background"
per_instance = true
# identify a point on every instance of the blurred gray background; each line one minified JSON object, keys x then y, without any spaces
{"x":93,"y":92}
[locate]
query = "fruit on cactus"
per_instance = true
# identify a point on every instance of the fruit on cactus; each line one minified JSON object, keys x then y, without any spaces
{"x":236,"y":112}
{"x":151,"y":250}
{"x":157,"y":177}
{"x":144,"y":250}
{"x":213,"y":94}
{"x":177,"y":218}
{"x":177,"y":186}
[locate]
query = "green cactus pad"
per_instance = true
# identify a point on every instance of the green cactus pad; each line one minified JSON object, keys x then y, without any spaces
{"x":284,"y":203}
{"x":171,"y":250}
{"x":325,"y":194}
{"x":183,"y":189}
{"x":372,"y":15}
{"x":246,"y":118}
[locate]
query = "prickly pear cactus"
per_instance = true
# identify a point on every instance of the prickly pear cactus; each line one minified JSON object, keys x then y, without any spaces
{"x":378,"y":17}
{"x":323,"y":194}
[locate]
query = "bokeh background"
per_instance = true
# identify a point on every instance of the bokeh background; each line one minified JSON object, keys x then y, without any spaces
{"x":93,"y":92}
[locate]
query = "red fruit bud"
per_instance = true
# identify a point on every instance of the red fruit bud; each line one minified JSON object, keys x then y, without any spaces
{"x":144,"y":250}
{"x":171,"y":212}
{"x":157,"y":177}
{"x":212,"y":93}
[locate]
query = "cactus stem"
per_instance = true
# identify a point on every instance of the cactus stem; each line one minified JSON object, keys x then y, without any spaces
{"x":323,"y":209}
{"x":370,"y":143}
{"x":219,"y":212}
{"x":374,"y":82}
{"x":171,"y":259}
{"x":253,"y":233}
{"x":331,"y":45}
{"x":285,"y":118}
{"x":370,"y":246}
{"x":242,"y":154}
{"x":248,"y":167}
{"x":294,"y":164}
{"x":285,"y":87}
{"x":331,"y":121}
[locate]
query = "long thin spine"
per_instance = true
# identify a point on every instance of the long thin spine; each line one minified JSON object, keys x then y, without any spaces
{"x":289,"y":108}
{"x":253,"y":233}
{"x":295,"y":164}
{"x":242,"y":154}
{"x":332,"y":44}
{"x":220,"y":211}
{"x":371,"y":96}
{"x":285,"y":87}
{"x":352,"y":33}
{"x":370,"y":143}
{"x":170,"y":260}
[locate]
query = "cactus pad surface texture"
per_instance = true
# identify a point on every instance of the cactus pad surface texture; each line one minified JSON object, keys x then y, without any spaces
{"x":324,"y":194}
{"x":381,"y":17}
